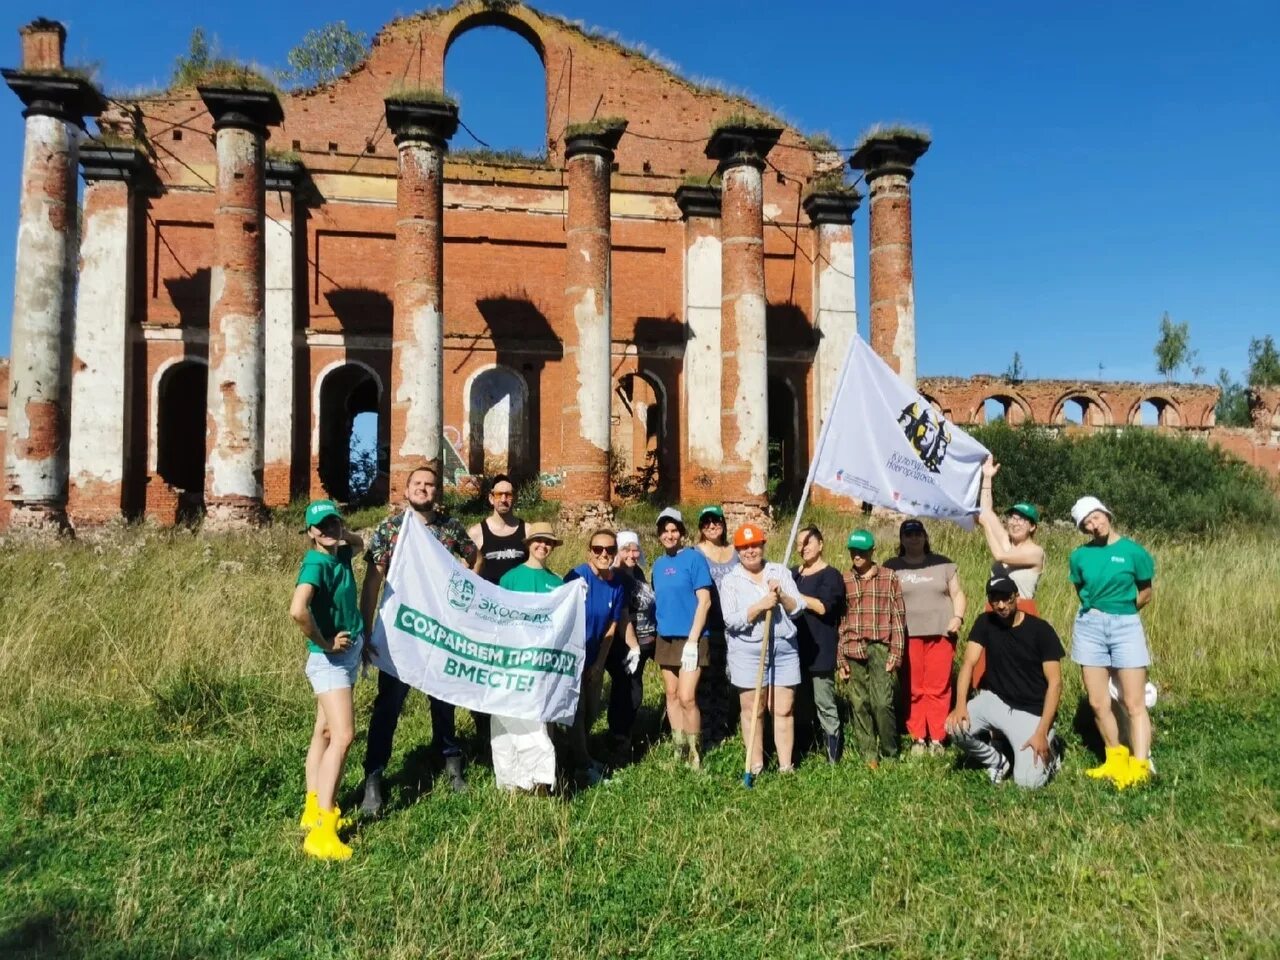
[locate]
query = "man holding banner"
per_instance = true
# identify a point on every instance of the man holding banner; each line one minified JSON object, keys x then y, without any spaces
{"x":421,"y":492}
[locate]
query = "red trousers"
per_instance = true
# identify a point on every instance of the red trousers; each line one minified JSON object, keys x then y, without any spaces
{"x":928,"y":683}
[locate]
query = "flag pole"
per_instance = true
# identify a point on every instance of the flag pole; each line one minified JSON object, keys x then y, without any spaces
{"x":817,"y":452}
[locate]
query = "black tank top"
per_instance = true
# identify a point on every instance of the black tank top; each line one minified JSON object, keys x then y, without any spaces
{"x":501,"y":553}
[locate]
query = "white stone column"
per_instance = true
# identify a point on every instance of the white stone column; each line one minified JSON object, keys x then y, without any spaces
{"x":703,"y":356}
{"x":834,"y":293}
{"x":101,"y":365}
{"x":280,"y":313}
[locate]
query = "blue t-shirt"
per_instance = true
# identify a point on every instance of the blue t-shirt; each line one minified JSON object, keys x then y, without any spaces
{"x":675,"y":582}
{"x":606,"y":602}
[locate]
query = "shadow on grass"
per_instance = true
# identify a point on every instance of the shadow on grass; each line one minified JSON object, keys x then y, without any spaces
{"x":46,"y":933}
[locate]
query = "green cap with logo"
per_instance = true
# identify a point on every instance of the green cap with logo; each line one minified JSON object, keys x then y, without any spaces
{"x":320,"y":510}
{"x":861,"y":540}
{"x":711,"y":511}
{"x":1027,"y":510}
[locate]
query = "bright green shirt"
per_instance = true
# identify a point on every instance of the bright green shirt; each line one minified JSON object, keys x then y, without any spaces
{"x":1108,"y":575}
{"x":525,"y":579}
{"x":333,"y":605}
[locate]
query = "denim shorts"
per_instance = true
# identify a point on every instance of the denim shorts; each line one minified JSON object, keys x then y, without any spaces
{"x":335,"y":671}
{"x":1109,"y":640}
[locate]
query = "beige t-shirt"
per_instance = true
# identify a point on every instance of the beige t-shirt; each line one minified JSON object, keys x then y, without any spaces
{"x":924,"y":591}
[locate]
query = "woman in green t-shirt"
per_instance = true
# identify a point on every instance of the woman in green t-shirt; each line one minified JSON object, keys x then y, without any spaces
{"x":326,"y":610}
{"x":1112,"y":576}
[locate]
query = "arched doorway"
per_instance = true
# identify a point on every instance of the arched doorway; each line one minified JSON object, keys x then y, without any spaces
{"x":181,"y":431}
{"x":347,"y":432}
{"x":492,"y":52}
{"x":636,"y":424}
{"x":784,"y":441}
{"x":497,"y":423}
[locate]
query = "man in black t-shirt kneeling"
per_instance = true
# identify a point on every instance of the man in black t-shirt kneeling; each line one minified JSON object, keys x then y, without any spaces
{"x":1020,"y":691}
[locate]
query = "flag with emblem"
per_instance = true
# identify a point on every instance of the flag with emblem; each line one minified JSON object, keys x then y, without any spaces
{"x":885,"y":444}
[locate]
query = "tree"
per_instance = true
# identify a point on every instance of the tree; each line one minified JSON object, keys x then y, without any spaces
{"x":1173,"y":349}
{"x":1264,"y":363}
{"x":187,"y":70}
{"x":325,"y":54}
{"x":1232,"y":409}
{"x":1015,"y":372}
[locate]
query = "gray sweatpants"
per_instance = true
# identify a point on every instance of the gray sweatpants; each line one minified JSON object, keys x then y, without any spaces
{"x":989,"y":714}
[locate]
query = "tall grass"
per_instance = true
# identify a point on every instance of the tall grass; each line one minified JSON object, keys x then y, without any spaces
{"x":154,"y":717}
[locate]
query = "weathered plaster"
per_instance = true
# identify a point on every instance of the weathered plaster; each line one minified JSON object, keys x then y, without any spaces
{"x":593,"y":367}
{"x":904,"y":338}
{"x":837,"y":318}
{"x":420,"y":385}
{"x":702,"y":357}
{"x":279,"y":313}
{"x":98,"y":413}
{"x":751,"y":406}
{"x":235,"y":410}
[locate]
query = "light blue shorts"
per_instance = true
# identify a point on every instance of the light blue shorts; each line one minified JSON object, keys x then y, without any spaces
{"x":1109,"y":640}
{"x":782,"y":668}
{"x":335,"y":671}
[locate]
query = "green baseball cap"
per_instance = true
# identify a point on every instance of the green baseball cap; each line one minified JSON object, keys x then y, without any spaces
{"x":320,"y":510}
{"x":861,"y":540}
{"x":711,"y":510}
{"x":1026,"y":510}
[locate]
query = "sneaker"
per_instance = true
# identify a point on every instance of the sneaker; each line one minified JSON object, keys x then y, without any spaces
{"x":371,"y":805}
{"x":935,"y":748}
{"x":918,"y":748}
{"x":453,"y":769}
{"x":1000,"y":772}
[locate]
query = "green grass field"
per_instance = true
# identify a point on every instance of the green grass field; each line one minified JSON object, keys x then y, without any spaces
{"x":154,"y":717}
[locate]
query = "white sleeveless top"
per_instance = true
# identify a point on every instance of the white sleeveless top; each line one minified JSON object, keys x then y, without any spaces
{"x":1027,"y":578}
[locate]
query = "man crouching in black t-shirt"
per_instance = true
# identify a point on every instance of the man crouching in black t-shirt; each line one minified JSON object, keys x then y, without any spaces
{"x":1020,"y":691}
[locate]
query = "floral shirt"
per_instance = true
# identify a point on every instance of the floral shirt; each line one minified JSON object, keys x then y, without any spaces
{"x":451,"y":534}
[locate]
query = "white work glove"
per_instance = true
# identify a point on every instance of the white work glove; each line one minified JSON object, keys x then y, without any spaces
{"x":633,"y":660}
{"x":689,"y":656}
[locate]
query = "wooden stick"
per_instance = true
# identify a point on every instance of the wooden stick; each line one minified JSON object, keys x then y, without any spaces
{"x":748,"y":777}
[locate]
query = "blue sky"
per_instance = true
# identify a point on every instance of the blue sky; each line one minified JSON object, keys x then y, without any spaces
{"x":1094,"y":164}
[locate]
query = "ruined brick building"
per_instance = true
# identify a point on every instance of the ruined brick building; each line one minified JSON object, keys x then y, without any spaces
{"x":668,"y":295}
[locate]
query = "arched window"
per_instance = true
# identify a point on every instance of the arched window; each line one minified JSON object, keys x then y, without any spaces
{"x":498,"y":77}
{"x":1155,"y":412}
{"x":180,"y":426}
{"x":347,"y":431}
{"x":497,"y":423}
{"x":637,"y":421}
{"x":1081,"y":409}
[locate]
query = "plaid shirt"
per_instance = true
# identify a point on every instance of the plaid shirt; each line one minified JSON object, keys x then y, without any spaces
{"x":874,"y":613}
{"x":447,"y":530}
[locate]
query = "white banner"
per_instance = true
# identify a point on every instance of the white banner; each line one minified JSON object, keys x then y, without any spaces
{"x":446,"y":631}
{"x":885,"y":444}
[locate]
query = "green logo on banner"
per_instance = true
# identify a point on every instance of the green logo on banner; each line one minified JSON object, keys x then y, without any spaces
{"x":461,"y":592}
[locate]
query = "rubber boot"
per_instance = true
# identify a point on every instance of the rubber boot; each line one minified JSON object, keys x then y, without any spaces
{"x":371,"y":805}
{"x":680,"y":741}
{"x":322,"y":842}
{"x":453,"y":769}
{"x":1138,"y":773}
{"x":1115,"y":768}
{"x":693,"y":741}
{"x":835,"y":747}
{"x":310,"y":812}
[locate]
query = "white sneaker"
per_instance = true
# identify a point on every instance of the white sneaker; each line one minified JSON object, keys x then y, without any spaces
{"x":1000,"y":773}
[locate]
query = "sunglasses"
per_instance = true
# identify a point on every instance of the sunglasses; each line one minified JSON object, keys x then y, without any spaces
{"x":599,"y":548}
{"x":502,"y":494}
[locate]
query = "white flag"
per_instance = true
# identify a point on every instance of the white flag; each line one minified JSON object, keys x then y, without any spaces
{"x":885,"y":444}
{"x":446,"y":631}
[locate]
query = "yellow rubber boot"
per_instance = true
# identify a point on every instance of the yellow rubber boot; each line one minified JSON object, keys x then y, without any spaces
{"x":322,"y":842}
{"x":310,"y":811}
{"x":1138,"y":773}
{"x":1115,"y":768}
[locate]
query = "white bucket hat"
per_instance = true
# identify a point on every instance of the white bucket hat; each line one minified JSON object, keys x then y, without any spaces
{"x":625,"y":539}
{"x":1085,"y":506}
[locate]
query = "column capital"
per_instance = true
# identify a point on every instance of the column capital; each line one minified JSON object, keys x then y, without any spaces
{"x":695,"y":200}
{"x":889,"y":152}
{"x":102,"y":161}
{"x":734,"y":145}
{"x":61,"y":95}
{"x":241,"y":108}
{"x":414,"y":119}
{"x":832,"y":206}
{"x":597,"y":137}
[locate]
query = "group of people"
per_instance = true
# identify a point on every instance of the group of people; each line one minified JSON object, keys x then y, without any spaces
{"x":716,"y":614}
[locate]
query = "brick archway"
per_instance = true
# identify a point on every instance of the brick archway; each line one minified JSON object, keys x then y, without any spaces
{"x":1016,"y":409}
{"x":1095,"y":411}
{"x":1168,"y":413}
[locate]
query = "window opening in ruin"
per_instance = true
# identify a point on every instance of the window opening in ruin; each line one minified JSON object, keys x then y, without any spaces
{"x":1155,"y":412}
{"x":993,"y":409}
{"x":348,"y":455}
{"x":180,"y":433}
{"x":1081,"y":410}
{"x":497,"y":423}
{"x":636,"y":426}
{"x":501,"y":86}
{"x":784,"y":435}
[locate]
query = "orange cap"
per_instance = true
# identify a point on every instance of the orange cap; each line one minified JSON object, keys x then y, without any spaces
{"x":748,"y":535}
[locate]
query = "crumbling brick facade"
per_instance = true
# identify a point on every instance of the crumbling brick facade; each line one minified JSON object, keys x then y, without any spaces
{"x":257,"y":269}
